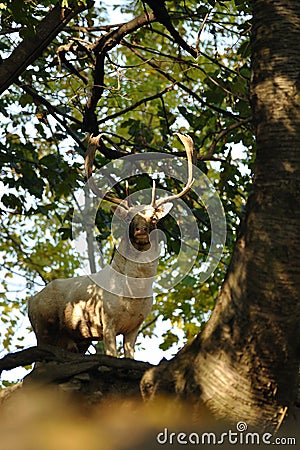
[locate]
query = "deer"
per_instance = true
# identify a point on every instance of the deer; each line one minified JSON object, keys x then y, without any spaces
{"x":70,"y":313}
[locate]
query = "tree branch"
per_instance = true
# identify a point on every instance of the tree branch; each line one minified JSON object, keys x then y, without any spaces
{"x":55,"y":112}
{"x":179,"y":84}
{"x":223,"y":133}
{"x":27,"y":257}
{"x":162,"y":16}
{"x":100,"y":49}
{"x":90,"y":374}
{"x":135,"y":105}
{"x":32,"y":47}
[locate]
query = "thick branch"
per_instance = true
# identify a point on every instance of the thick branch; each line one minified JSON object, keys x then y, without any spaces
{"x":162,"y":16}
{"x":32,"y":47}
{"x":100,"y":49}
{"x":47,"y":353}
{"x":93,"y":375}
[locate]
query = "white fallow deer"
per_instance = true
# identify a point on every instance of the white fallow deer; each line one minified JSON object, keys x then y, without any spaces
{"x":71,"y":313}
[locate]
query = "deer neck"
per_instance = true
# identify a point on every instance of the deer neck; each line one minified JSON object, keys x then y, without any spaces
{"x":141,"y":247}
{"x":137,"y":261}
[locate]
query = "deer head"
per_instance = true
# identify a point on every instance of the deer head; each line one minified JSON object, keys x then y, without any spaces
{"x":142,"y":219}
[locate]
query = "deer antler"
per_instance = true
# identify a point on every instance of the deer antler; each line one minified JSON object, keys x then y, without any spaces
{"x":153,"y":195}
{"x":190,"y":152}
{"x":93,"y":144}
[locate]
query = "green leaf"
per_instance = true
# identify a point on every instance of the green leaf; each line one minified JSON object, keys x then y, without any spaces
{"x":189,"y":281}
{"x":25,"y":100}
{"x":49,"y":160}
{"x":11,"y":201}
{"x":169,"y":339}
{"x":66,"y":233}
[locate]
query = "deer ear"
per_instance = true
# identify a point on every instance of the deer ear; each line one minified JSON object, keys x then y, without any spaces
{"x":120,"y":212}
{"x":163,"y":210}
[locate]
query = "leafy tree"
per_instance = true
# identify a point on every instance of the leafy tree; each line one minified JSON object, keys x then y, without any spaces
{"x":138,"y":82}
{"x":138,"y":91}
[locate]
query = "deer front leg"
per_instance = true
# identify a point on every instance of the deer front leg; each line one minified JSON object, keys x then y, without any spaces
{"x":129,"y":341}
{"x":109,"y":340}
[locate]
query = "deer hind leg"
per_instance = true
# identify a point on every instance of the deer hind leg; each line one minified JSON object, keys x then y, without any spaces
{"x":47,"y":331}
{"x":129,"y":341}
{"x":52,"y":335}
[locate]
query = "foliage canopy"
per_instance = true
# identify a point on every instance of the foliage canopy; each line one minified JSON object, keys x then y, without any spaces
{"x":136,"y":85}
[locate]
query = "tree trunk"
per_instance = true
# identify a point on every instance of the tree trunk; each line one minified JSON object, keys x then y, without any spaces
{"x":244,"y":366}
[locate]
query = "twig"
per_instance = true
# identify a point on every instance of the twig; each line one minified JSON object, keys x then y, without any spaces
{"x":137,"y":104}
{"x":55,"y":112}
{"x":148,"y":324}
{"x":169,"y":77}
{"x":201,"y":29}
{"x":18,"y":246}
{"x":223,"y":133}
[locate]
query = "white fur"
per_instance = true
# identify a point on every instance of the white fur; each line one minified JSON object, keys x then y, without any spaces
{"x":70,"y":313}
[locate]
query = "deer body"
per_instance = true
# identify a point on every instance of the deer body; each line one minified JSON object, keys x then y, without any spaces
{"x":70,"y":313}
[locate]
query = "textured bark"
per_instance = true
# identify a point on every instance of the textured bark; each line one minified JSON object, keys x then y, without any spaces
{"x":32,"y":47}
{"x":93,"y":377}
{"x":244,"y":366}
